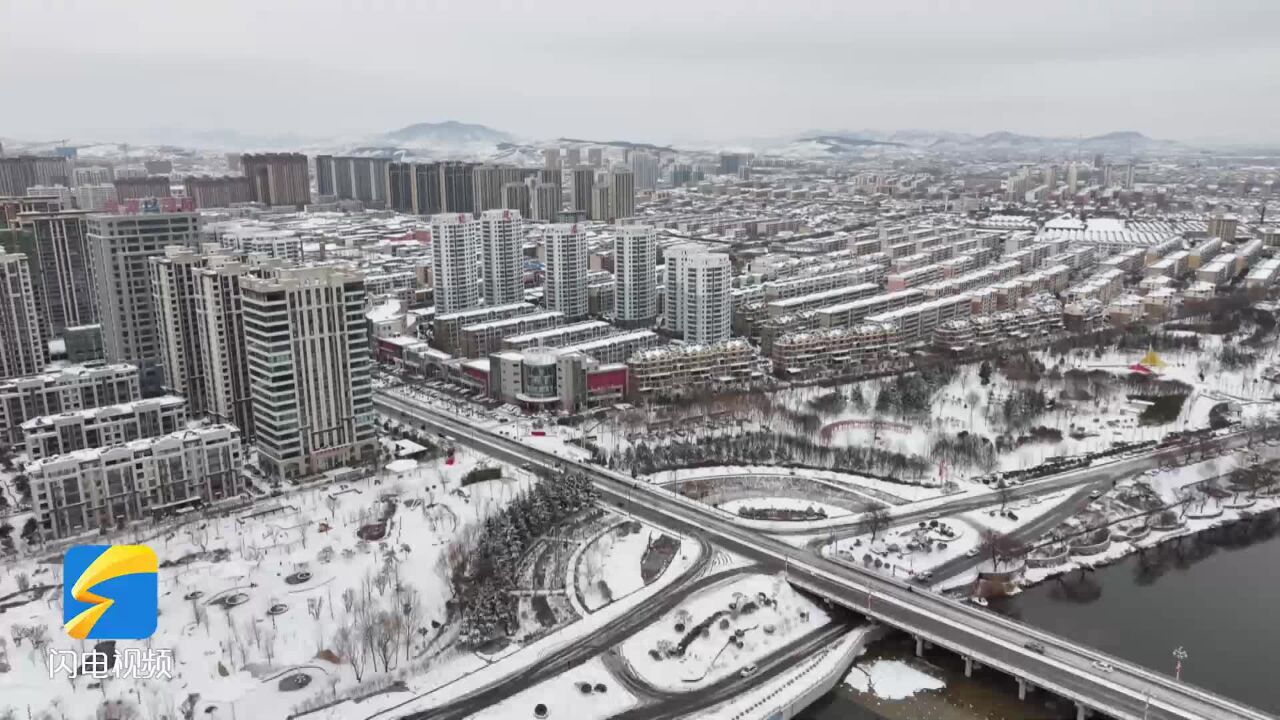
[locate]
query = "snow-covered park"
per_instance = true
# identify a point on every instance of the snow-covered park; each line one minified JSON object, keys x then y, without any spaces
{"x":275,"y":591}
{"x":720,"y":631}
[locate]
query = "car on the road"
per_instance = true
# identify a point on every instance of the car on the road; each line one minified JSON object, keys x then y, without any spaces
{"x":749,"y":670}
{"x":1103,"y":666}
{"x":973,"y":552}
{"x":934,"y":516}
{"x":1095,"y":494}
{"x":1033,"y":646}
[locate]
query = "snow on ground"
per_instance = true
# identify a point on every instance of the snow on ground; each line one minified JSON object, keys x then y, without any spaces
{"x":894,"y":547}
{"x":1026,"y":511}
{"x":891,"y":679}
{"x":564,"y":696}
{"x":783,"y":503}
{"x":312,"y":530}
{"x":1174,"y":485}
{"x":872,"y":488}
{"x":434,"y":687}
{"x":613,"y":558}
{"x":780,"y":691}
{"x":761,"y":602}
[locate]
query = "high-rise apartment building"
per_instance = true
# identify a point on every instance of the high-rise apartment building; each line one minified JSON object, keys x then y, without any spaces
{"x":635,"y":259}
{"x":515,"y":196}
{"x":622,"y":192}
{"x":95,"y":197}
{"x":698,"y":293}
{"x":153,"y":186}
{"x":220,"y":333}
{"x":278,"y":178}
{"x":427,"y":195}
{"x":353,"y":178}
{"x":544,"y":202}
{"x":566,"y":269}
{"x":120,"y":249}
{"x":457,"y":187}
{"x":602,"y":202}
{"x":488,"y":182}
{"x":584,"y":180}
{"x":307,"y":344}
{"x":22,"y":347}
{"x":595,"y":157}
{"x":92,"y":175}
{"x":399,"y":186}
{"x":61,"y":270}
{"x":551,"y":158}
{"x":572,"y":156}
{"x":645,"y":169}
{"x":731,"y":163}
{"x":455,"y":245}
{"x":173,"y":294}
{"x":23,"y":171}
{"x":502,"y":238}
{"x":1073,"y":178}
{"x":217,"y":192}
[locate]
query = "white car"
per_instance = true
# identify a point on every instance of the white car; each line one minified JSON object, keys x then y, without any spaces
{"x":1103,"y":666}
{"x":973,"y":552}
{"x":749,"y":670}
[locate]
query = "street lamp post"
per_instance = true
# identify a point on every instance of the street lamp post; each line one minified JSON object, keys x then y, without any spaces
{"x":1179,"y":655}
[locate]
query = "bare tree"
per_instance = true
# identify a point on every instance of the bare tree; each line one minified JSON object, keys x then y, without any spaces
{"x":385,"y":635}
{"x":1005,"y":493}
{"x":1000,"y":547}
{"x":348,"y":646}
{"x":269,"y":645}
{"x":411,"y":603}
{"x":878,"y":520}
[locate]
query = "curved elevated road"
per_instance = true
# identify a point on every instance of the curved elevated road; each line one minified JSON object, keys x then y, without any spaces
{"x":1129,"y":692}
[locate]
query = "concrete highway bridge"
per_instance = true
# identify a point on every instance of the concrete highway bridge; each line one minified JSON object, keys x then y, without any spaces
{"x":1038,"y":660}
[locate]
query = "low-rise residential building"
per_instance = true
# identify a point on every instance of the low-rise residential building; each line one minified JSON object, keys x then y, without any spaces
{"x":72,"y":388}
{"x":480,"y":339}
{"x":916,"y":323}
{"x":109,"y":487}
{"x":447,"y":327}
{"x":859,"y":348}
{"x":102,"y":426}
{"x":683,"y":370}
{"x":561,"y":336}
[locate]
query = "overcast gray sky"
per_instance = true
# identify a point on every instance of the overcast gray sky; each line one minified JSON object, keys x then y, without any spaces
{"x":662,"y":70}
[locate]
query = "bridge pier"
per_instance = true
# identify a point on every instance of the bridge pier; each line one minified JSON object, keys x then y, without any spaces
{"x":1023,"y":688}
{"x":1082,"y":712}
{"x":969,"y":666}
{"x":921,"y":646}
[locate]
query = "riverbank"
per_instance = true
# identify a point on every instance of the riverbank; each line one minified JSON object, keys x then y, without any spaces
{"x":1212,"y":593}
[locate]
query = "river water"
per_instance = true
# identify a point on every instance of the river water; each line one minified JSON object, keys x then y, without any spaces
{"x":1216,"y":595}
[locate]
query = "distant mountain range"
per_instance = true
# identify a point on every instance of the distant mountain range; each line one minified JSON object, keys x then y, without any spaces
{"x":451,"y":139}
{"x":826,"y":144}
{"x":447,"y":133}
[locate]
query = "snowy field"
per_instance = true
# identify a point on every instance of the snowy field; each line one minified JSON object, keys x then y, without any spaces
{"x":566,"y":697}
{"x":761,"y":612}
{"x":609,"y":569}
